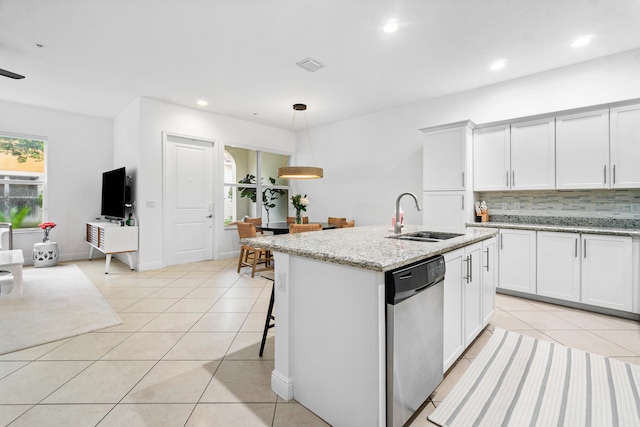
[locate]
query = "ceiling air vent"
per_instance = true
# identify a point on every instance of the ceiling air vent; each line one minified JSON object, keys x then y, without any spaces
{"x":310,"y":64}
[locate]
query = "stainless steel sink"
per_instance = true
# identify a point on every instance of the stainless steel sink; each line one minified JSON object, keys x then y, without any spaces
{"x":426,"y":236}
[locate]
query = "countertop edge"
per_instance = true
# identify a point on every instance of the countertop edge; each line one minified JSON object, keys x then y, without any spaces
{"x":559,"y":228}
{"x":437,"y":249}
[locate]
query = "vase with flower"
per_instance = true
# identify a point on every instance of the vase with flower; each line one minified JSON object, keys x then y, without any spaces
{"x":300,"y":204}
{"x":46,"y":254}
{"x":46,"y":227}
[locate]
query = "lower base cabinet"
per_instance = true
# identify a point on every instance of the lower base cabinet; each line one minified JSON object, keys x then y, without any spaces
{"x":591,"y":269}
{"x":517,"y":260}
{"x":469,"y":296}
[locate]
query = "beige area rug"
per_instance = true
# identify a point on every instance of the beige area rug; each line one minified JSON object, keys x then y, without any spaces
{"x":522,"y":381}
{"x":58,"y":302}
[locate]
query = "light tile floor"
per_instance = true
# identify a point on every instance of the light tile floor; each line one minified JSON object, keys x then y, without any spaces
{"x":596,"y":333}
{"x":187,"y":354}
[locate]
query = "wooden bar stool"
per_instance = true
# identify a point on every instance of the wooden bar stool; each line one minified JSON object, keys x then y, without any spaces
{"x":267,"y":323}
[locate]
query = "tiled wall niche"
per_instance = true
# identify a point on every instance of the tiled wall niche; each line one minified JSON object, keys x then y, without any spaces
{"x":622,"y":204}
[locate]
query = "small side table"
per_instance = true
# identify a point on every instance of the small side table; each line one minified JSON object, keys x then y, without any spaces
{"x":45,"y":254}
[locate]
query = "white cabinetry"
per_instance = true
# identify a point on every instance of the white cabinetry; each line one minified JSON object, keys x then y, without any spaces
{"x":448,"y":191}
{"x":606,"y":271}
{"x":110,"y":238}
{"x":625,"y":147}
{"x":444,"y":154}
{"x":453,"y":332}
{"x":488,"y":278}
{"x":469,"y":297}
{"x":559,"y":265}
{"x":444,"y":210}
{"x":517,"y":269}
{"x":472,"y":293}
{"x":533,"y":155}
{"x":582,"y":151}
{"x":492,"y":158}
{"x":520,"y":156}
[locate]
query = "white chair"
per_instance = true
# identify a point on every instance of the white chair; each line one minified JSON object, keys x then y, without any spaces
{"x":6,"y":236}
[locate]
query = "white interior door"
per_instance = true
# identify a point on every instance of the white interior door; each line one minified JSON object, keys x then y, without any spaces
{"x":188,"y":200}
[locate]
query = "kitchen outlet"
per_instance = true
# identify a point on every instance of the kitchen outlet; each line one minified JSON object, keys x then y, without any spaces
{"x":516,"y":205}
{"x":281,"y":282}
{"x":635,"y":207}
{"x":505,"y":206}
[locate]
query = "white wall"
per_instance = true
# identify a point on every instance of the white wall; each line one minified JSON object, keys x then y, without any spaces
{"x":80,"y":148}
{"x":157,"y":117}
{"x":369,"y":160}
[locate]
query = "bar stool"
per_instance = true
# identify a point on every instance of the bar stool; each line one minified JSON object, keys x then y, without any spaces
{"x":267,"y":323}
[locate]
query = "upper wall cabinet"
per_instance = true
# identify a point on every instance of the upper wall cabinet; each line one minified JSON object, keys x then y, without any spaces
{"x":582,"y":151}
{"x":533,"y":155}
{"x":520,"y":156}
{"x":625,"y":147}
{"x":445,"y":156}
{"x":491,"y":158}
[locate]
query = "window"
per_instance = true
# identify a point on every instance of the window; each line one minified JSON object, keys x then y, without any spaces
{"x":22,"y":180}
{"x":241,"y":168}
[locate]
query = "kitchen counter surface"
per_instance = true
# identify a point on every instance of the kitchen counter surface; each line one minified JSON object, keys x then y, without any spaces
{"x":634,"y":232}
{"x":365,"y":247}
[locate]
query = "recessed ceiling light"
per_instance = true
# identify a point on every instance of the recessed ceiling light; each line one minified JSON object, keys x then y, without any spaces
{"x":391,"y":26}
{"x":498,"y":65}
{"x":582,"y":41}
{"x":202,"y":103}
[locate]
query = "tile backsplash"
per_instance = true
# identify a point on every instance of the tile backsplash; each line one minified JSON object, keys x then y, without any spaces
{"x":622,"y":204}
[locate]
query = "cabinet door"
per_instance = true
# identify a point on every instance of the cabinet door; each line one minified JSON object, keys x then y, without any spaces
{"x":444,"y":211}
{"x":559,"y":265}
{"x":444,"y":159}
{"x":491,"y":159}
{"x":453,"y":342}
{"x":582,"y":150}
{"x":625,"y":147}
{"x":517,"y":269}
{"x":488,"y":279}
{"x":472,"y":293}
{"x":607,"y":271}
{"x":533,"y":155}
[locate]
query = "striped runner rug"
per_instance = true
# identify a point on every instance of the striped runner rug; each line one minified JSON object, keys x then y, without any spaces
{"x":522,"y":381}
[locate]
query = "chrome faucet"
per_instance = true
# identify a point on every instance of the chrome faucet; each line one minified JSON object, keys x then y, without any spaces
{"x":398,"y":226}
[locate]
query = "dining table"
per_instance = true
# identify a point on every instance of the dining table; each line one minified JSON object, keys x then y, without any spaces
{"x":282,"y":227}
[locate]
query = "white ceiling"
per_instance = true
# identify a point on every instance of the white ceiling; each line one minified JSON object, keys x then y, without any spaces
{"x":240,"y":55}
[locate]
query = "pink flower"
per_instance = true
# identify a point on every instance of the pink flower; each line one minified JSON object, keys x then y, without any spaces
{"x":47,"y":225}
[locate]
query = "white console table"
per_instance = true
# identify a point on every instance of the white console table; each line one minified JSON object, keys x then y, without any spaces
{"x":111,"y":238}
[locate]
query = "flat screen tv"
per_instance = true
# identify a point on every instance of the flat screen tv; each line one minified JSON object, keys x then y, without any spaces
{"x":114,"y":193}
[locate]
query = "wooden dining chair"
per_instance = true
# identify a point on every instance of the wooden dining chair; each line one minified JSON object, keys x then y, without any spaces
{"x":256,"y":221}
{"x":349,"y":224}
{"x":251,"y":256}
{"x":301,"y":228}
{"x":292,"y":220}
{"x":338,"y":222}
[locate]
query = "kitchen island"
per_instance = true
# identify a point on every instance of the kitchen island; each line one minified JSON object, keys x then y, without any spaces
{"x":330,"y":315}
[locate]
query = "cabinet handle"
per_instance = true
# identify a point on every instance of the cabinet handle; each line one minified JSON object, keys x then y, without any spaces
{"x":576,"y":249}
{"x":466,"y":264}
{"x":463,"y":202}
{"x":502,"y":241}
{"x":585,"y":249}
{"x":513,"y":178}
{"x":470,"y":268}
{"x":605,"y":174}
{"x":487,"y":258}
{"x":507,"y":178}
{"x":463,"y":179}
{"x":614,"y":174}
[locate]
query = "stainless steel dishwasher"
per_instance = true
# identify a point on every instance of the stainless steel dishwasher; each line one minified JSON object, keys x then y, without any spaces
{"x":414,"y":295}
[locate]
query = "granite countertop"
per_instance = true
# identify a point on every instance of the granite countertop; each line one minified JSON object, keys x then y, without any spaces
{"x":365,"y":247}
{"x":566,"y":228}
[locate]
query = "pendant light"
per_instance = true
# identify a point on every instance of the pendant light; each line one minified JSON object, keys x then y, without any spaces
{"x":300,"y":172}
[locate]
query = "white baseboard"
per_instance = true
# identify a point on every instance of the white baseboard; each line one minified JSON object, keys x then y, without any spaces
{"x":283,"y":386}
